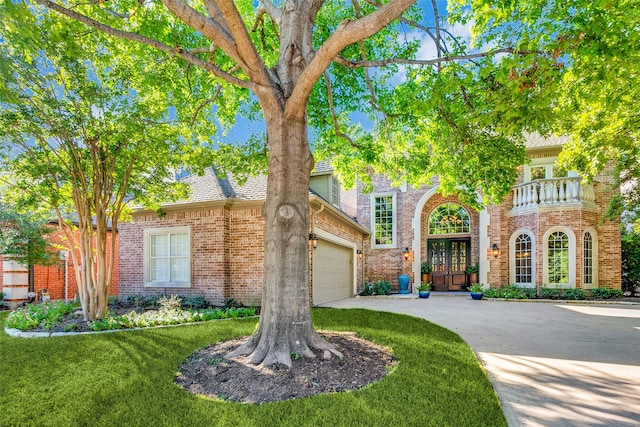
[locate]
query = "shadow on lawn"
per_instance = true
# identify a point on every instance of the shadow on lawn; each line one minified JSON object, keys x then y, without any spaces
{"x":128,"y":379}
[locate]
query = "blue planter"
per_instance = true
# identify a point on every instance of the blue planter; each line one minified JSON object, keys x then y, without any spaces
{"x":403,"y":281}
{"x":477,"y":295}
{"x":424,"y":294}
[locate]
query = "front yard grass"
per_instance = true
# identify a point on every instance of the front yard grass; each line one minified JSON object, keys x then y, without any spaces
{"x":126,"y":378}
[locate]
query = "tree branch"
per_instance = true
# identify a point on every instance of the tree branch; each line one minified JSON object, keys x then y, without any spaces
{"x":383,"y":62}
{"x":208,"y":101}
{"x":246,"y":50}
{"x":336,"y":125}
{"x":272,"y":10}
{"x":348,"y":32}
{"x":182,"y":53}
{"x":211,"y":28}
{"x":436,"y":18}
{"x":373,"y":100}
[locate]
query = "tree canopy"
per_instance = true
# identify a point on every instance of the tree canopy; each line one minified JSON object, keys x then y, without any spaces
{"x":23,"y":238}
{"x":78,"y":140}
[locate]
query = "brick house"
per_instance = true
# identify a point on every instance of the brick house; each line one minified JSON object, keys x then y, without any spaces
{"x":58,"y":280}
{"x":212,"y":243}
{"x":549,"y":232}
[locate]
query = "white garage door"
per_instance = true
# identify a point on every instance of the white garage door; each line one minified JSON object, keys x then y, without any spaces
{"x":332,"y":272}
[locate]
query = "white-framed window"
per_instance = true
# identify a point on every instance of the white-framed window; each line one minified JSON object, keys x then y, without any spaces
{"x":543,"y":168}
{"x":559,"y":257}
{"x":522,"y":259}
{"x":167,"y":257}
{"x":383,"y":207}
{"x":449,"y":218}
{"x":590,"y":258}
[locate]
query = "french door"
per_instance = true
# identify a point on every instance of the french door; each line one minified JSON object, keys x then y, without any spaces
{"x":449,"y":258}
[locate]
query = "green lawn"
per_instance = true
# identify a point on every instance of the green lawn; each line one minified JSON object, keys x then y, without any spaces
{"x":126,"y":379}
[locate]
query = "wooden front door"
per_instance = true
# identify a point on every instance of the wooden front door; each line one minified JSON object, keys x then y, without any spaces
{"x":450,"y":258}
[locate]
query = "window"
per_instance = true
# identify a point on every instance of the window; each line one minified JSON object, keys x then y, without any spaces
{"x":449,"y":218}
{"x":335,"y":191}
{"x":590,"y":258}
{"x":558,"y":258}
{"x":523,"y":260}
{"x":543,"y":168}
{"x":167,"y":253}
{"x":587,"y":245}
{"x":384,"y":224}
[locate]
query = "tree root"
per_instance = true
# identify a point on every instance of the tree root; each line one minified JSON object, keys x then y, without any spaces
{"x":268,"y":351}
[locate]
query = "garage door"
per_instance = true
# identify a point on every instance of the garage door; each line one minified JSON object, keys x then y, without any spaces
{"x":332,"y":272}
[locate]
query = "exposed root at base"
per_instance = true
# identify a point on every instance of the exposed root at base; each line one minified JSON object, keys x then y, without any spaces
{"x":269,"y":352}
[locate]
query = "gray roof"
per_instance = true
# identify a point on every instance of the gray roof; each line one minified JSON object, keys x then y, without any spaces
{"x":322,"y":167}
{"x":215,"y":186}
{"x":535,"y":140}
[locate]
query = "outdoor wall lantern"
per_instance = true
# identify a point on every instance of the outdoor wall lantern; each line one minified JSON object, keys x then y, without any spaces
{"x":406,"y":253}
{"x":359,"y":252}
{"x":313,"y":238}
{"x":495,"y":250}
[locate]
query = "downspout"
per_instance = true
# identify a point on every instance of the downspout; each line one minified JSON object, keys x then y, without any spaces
{"x":313,"y":214}
{"x":313,"y":230}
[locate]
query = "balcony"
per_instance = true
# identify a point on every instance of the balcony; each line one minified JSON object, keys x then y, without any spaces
{"x":553,"y":193}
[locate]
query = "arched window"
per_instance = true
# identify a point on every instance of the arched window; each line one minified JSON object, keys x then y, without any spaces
{"x":449,"y":218}
{"x":558,"y":258}
{"x":523,"y":260}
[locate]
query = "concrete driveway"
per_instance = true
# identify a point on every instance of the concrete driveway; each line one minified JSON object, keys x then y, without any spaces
{"x":551,"y":364}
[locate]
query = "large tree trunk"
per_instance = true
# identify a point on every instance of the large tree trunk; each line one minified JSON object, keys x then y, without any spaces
{"x":285,"y":323}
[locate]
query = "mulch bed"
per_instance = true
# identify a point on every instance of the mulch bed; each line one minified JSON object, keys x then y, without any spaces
{"x":209,"y":373}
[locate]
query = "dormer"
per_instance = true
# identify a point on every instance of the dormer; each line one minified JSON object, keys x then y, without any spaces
{"x":325,"y":184}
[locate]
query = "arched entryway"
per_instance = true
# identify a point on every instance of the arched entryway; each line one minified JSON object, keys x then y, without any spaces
{"x":449,"y":246}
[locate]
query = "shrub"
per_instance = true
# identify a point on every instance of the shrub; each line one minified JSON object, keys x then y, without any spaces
{"x":381,"y":287}
{"x":604,"y":293}
{"x":510,"y":292}
{"x":1,"y":296}
{"x":231,"y":303}
{"x":135,"y":300}
{"x":550,"y":293}
{"x":573,"y":294}
{"x":171,"y":304}
{"x":152,"y":301}
{"x":194,"y":302}
{"x":630,"y":263}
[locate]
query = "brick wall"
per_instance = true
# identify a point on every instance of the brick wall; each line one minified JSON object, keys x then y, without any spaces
{"x":227,"y":251}
{"x":387,"y":264}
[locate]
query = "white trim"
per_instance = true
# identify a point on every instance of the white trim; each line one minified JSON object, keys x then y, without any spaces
{"x":394,"y":220}
{"x":484,"y":221}
{"x":547,"y":162}
{"x":325,"y":235}
{"x":416,"y":224}
{"x":572,"y":257}
{"x":595,"y":255}
{"x":145,"y":254}
{"x":512,"y":257}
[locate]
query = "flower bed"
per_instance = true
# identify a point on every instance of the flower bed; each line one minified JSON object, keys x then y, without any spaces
{"x":59,"y":316}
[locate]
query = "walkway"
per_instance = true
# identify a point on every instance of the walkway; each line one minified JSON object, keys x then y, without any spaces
{"x":551,"y":364}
